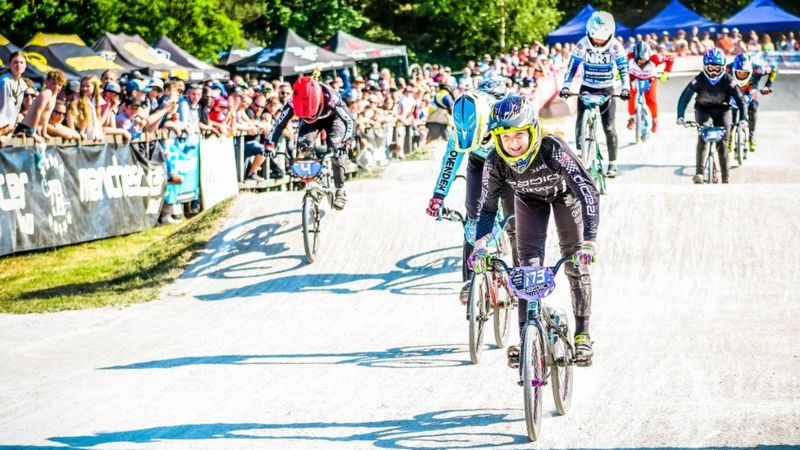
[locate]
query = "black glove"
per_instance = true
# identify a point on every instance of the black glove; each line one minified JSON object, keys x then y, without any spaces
{"x":565,"y":92}
{"x":269,"y":149}
{"x":341,"y":151}
{"x":625,"y":94}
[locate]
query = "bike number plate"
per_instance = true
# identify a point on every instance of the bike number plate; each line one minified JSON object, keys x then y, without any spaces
{"x":532,"y":283}
{"x":713,"y":134}
{"x":593,"y":99}
{"x":306,"y":169}
{"x":642,"y":85}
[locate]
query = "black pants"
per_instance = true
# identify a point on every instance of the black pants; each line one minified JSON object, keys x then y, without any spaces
{"x":532,"y":217}
{"x":719,"y":118}
{"x":474,"y":178}
{"x":607,"y":114}
{"x":334,"y":128}
{"x":752,"y":115}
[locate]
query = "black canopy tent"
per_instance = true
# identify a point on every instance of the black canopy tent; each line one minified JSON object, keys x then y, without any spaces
{"x":288,"y":55}
{"x":235,"y":54}
{"x":66,"y":52}
{"x":134,"y":53}
{"x":172,"y":52}
{"x":362,"y":50}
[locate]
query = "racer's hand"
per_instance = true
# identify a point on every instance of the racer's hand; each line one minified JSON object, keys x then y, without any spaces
{"x":625,"y":94}
{"x":341,"y":151}
{"x":681,"y":121}
{"x":742,"y":123}
{"x":585,"y":256}
{"x":434,"y":206}
{"x":766,"y":90}
{"x":565,"y":92}
{"x":477,"y":261}
{"x":664,"y":76}
{"x":270,"y":150}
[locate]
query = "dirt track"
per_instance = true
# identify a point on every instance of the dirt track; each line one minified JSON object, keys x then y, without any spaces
{"x":695,"y":323}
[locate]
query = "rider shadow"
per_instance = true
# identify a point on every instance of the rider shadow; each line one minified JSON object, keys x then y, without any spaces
{"x":410,"y":357}
{"x":412,"y":276}
{"x":445,"y":428}
{"x":679,"y":170}
{"x":252,"y":236}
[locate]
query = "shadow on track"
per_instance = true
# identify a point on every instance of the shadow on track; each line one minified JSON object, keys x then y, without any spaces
{"x":413,"y":357}
{"x":439,"y":429}
{"x":409,"y":278}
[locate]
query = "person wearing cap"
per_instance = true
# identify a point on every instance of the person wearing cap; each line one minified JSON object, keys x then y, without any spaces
{"x":129,"y":118}
{"x":109,"y":109}
{"x":156,"y":86}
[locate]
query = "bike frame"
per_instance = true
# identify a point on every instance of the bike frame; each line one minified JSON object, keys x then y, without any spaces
{"x":710,"y":135}
{"x":643,"y":115}
{"x":742,"y":136}
{"x":592,"y":157}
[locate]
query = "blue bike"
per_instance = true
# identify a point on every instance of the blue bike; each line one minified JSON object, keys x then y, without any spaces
{"x":740,"y":141}
{"x":710,"y":135}
{"x":644,"y":118}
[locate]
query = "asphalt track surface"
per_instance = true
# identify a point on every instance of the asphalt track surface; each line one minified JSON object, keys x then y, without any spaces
{"x":695,"y":324}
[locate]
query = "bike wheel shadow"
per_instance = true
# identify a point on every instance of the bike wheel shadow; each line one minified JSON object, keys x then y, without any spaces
{"x":413,"y":275}
{"x":409,"y":357}
{"x":437,"y":429}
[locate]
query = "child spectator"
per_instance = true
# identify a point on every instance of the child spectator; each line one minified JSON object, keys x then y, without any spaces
{"x":12,"y":91}
{"x":35,"y":122}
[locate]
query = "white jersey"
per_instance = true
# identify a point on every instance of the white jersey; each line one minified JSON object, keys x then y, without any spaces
{"x":598,"y":65}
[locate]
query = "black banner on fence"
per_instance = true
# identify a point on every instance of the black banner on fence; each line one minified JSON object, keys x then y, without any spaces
{"x":61,"y":196}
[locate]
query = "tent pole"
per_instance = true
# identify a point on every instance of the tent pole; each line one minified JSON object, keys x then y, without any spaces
{"x":405,"y":59}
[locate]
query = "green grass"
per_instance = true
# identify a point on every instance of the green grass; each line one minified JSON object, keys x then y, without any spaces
{"x":117,"y":271}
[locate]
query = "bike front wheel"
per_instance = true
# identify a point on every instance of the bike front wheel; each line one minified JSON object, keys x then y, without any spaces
{"x":532,"y":361}
{"x":310,"y":227}
{"x":502,"y":313}
{"x":710,"y":163}
{"x":639,"y":123}
{"x":741,"y":142}
{"x":477,"y":312}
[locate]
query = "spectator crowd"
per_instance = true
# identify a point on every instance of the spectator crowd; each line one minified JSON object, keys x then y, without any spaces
{"x":394,"y":114}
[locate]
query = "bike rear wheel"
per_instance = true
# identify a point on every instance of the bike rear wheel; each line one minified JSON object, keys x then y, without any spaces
{"x":561,"y":370}
{"x":477,"y":312}
{"x":310,"y":227}
{"x":532,"y":361}
{"x":710,"y":164}
{"x":502,"y":314}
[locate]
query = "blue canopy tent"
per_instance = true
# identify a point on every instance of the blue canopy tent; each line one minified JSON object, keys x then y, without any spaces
{"x":763,"y":15}
{"x":575,"y":29}
{"x":675,"y":17}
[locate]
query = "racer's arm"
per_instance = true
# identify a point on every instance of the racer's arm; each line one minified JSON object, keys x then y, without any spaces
{"x":286,"y":115}
{"x":667,"y":60}
{"x":575,"y":61}
{"x":773,"y":74}
{"x":686,"y":97}
{"x":561,"y":159}
{"x":621,"y":60}
{"x":451,"y":161}
{"x":493,"y":182}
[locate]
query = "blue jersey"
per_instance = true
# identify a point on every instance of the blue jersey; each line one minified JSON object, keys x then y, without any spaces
{"x":598,"y":65}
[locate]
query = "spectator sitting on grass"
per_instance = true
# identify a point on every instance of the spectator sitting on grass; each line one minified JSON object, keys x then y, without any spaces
{"x":56,"y":127}
{"x":35,"y":122}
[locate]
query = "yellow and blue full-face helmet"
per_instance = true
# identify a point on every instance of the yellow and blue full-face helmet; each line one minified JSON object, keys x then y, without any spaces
{"x":471,"y":118}
{"x":512,"y":114}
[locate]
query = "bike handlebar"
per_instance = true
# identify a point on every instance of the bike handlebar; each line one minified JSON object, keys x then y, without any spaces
{"x":501,"y":263}
{"x":451,"y":215}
